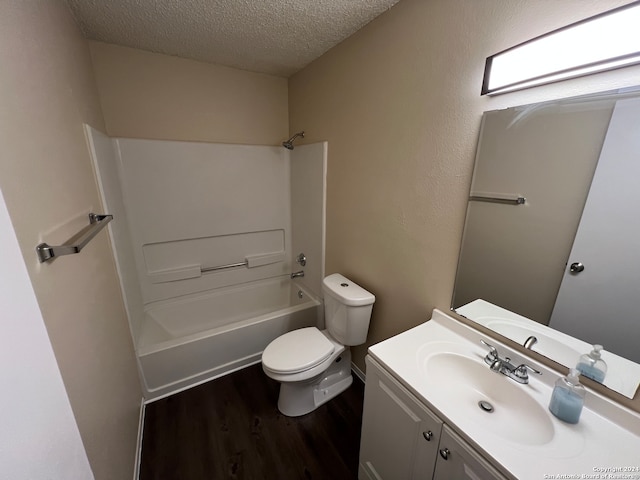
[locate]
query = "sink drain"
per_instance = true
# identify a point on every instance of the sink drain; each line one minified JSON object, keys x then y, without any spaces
{"x":485,"y":406}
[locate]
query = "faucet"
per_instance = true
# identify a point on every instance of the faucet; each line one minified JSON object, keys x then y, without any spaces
{"x":297,"y":274}
{"x":504,"y":366}
{"x":530,"y":342}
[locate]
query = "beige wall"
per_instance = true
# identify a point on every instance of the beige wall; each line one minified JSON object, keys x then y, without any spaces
{"x":149,"y":95}
{"x":399,"y":103}
{"x":47,"y":91}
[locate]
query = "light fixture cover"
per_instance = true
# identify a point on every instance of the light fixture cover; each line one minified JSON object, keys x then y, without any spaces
{"x":604,"y":42}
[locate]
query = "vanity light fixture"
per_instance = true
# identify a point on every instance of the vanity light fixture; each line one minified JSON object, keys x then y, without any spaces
{"x":604,"y":42}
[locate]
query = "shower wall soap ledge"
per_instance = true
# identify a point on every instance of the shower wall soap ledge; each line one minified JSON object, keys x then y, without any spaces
{"x":182,"y":273}
{"x":264,"y":259}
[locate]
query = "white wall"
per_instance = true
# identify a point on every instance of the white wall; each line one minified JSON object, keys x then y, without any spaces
{"x":308,"y":192}
{"x":105,"y":162}
{"x":204,"y":205}
{"x":180,"y":206}
{"x":39,"y":437}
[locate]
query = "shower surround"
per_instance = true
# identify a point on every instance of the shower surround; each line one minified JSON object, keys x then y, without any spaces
{"x":184,"y":209}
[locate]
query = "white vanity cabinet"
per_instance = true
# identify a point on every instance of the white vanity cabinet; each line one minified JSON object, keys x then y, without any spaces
{"x":403,"y":440}
{"x":399,"y":434}
{"x":428,"y":383}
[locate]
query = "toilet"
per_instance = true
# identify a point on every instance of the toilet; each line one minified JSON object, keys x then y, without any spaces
{"x":313,"y":365}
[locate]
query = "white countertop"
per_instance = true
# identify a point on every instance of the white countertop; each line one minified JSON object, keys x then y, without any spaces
{"x":606,"y":437}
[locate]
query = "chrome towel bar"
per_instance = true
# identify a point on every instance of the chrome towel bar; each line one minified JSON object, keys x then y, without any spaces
{"x":509,"y":200}
{"x":96,"y":223}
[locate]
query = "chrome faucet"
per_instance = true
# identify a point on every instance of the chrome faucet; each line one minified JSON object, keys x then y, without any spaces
{"x":297,"y":274}
{"x":530,"y":342}
{"x":504,"y":366}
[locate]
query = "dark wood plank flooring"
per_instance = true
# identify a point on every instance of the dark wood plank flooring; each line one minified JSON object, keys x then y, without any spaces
{"x":230,"y":428}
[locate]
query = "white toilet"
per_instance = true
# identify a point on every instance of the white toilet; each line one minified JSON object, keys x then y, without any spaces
{"x":313,"y":366}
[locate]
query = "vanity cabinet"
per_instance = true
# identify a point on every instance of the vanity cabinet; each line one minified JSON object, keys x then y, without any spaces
{"x":403,"y":440}
{"x":399,"y":434}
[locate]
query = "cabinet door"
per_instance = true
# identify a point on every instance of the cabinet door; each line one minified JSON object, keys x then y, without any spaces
{"x":457,"y":459}
{"x":399,"y":435}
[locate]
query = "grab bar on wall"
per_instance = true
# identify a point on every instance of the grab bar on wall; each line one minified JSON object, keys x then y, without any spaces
{"x":498,"y":198}
{"x":96,"y":223}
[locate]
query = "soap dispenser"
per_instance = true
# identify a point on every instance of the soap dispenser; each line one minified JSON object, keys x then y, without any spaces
{"x":567,"y":398}
{"x":592,"y":366}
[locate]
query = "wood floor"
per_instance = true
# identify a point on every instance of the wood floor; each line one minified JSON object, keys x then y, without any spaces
{"x":230,"y":428}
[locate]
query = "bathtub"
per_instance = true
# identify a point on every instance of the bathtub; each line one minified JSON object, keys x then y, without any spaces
{"x":188,"y":340}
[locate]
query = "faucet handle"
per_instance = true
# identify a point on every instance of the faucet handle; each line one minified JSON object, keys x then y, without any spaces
{"x":491,"y":347}
{"x":492,"y":356}
{"x":521,"y":371}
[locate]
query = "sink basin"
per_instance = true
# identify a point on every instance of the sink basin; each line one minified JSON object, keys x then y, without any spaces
{"x":465,"y":381}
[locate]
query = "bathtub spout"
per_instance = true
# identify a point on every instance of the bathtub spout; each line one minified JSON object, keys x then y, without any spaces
{"x":297,"y":274}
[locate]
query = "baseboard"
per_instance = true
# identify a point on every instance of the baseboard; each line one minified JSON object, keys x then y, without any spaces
{"x":138,"y":459}
{"x":196,"y":380}
{"x":359,"y":373}
{"x":152,"y":398}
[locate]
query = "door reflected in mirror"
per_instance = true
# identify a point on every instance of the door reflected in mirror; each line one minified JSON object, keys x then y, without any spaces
{"x":564,"y":265}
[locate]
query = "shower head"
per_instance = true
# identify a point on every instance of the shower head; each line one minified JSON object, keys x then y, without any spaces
{"x":289,"y":143}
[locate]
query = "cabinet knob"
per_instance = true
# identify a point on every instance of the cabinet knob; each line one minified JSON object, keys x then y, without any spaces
{"x":428,"y":435}
{"x":444,"y":453}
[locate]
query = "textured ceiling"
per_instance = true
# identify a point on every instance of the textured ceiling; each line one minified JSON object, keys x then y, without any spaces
{"x":278,"y":37}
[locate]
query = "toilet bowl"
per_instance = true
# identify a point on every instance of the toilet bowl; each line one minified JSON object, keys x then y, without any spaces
{"x":312,"y":365}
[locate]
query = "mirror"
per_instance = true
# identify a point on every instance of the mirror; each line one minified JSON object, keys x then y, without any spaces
{"x":551,"y":244}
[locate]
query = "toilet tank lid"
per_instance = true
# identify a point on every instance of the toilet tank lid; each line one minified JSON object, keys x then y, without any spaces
{"x":346,"y":291}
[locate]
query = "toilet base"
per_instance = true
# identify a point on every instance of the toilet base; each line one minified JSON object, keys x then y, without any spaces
{"x":300,"y":398}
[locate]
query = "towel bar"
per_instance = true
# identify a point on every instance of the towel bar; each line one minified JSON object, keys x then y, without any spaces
{"x":96,"y":222}
{"x":510,"y":200}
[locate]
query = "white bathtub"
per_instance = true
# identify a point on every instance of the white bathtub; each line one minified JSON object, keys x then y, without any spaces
{"x":191,"y":339}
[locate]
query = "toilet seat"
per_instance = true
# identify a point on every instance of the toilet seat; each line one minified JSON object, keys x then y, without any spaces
{"x":297,"y":351}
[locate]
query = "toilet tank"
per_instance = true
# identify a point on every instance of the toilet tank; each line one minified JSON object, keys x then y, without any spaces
{"x":347,"y":309}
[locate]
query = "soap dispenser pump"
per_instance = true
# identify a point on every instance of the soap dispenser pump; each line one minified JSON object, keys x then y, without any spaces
{"x":567,"y":398}
{"x":592,"y":366}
